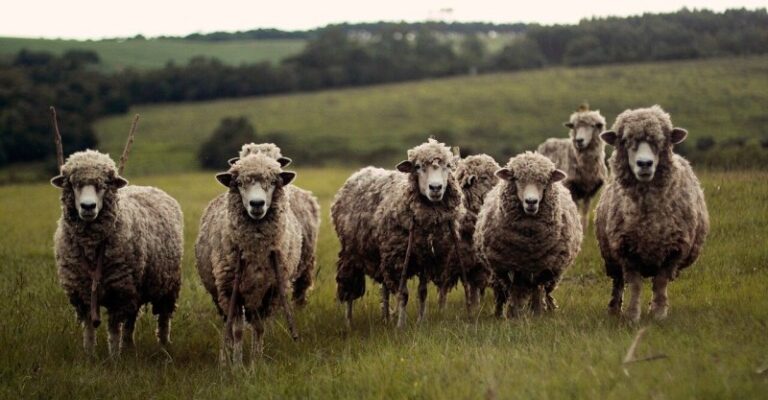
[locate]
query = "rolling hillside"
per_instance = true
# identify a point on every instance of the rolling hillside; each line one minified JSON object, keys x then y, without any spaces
{"x":501,"y":114}
{"x":154,"y":53}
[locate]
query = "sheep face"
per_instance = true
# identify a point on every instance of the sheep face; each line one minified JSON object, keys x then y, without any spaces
{"x":89,"y":175}
{"x":642,"y":137}
{"x":475,"y":175}
{"x":584,"y":126}
{"x":432,"y":177}
{"x":256,"y":178}
{"x":530,"y":174}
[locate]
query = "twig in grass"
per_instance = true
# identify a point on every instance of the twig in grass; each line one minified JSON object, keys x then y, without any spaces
{"x":630,"y":356}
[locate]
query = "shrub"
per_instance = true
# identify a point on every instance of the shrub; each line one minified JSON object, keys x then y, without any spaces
{"x":225,"y":142}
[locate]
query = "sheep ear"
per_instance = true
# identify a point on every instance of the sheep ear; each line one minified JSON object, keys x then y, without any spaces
{"x":405,"y":166}
{"x":505,"y":173}
{"x":557,"y":176}
{"x":568,"y":125}
{"x":471,"y":180}
{"x":119,"y":182}
{"x":58,"y":181}
{"x":609,"y":137}
{"x":284,"y":161}
{"x":677,"y":135}
{"x":287,"y":177}
{"x":232,"y":161}
{"x":225,"y":178}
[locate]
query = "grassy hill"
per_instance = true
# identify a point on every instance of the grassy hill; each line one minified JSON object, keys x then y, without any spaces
{"x":154,"y":53}
{"x":501,"y":114}
{"x":713,"y":341}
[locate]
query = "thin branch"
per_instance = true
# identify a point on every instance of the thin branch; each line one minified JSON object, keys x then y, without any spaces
{"x":57,"y":138}
{"x":128,"y":144}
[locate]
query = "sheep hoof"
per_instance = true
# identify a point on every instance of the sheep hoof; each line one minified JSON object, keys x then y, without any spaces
{"x":633,"y":317}
{"x":659,"y":312}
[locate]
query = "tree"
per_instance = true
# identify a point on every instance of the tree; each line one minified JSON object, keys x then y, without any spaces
{"x":225,"y":142}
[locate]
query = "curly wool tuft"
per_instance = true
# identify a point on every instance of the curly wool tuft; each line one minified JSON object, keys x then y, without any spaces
{"x":269,"y":149}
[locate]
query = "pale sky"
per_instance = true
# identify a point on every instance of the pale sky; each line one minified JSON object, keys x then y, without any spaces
{"x":82,"y":19}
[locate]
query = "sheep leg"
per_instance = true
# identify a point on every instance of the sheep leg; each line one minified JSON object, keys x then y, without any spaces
{"x":348,"y":314}
{"x":115,"y":334}
{"x":403,"y":287}
{"x":384,"y":303}
{"x":164,"y":328}
{"x":617,"y":296}
{"x":500,"y":296}
{"x":237,"y":340}
{"x":519,"y":297}
{"x":128,"y":326}
{"x":257,"y":345}
{"x":422,"y":297}
{"x":537,"y":300}
{"x":283,"y":297}
{"x":89,"y":337}
{"x":659,"y":304}
{"x":462,"y":267}
{"x":635,"y":281}
{"x":585,"y":214}
{"x":442,"y":296}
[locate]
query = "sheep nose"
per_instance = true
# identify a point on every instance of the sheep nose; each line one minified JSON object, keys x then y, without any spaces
{"x":579,"y":140}
{"x":88,"y":206}
{"x":644,"y":163}
{"x":531,"y":201}
{"x":257,"y":203}
{"x":435,"y":187}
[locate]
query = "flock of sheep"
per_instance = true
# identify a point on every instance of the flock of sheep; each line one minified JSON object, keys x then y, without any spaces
{"x":515,"y":229}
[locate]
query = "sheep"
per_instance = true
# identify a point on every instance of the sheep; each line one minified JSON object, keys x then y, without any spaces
{"x":476,"y":177}
{"x":581,"y":157}
{"x":248,"y":249}
{"x":386,"y":220}
{"x":651,"y":219}
{"x":528,"y":233}
{"x":118,"y":246}
{"x":306,"y":208}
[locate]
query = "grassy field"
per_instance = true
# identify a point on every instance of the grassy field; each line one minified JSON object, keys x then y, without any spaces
{"x":501,"y":114}
{"x":714,"y":339}
{"x":155,"y":53}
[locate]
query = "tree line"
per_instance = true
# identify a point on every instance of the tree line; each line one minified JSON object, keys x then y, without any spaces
{"x":334,"y":57}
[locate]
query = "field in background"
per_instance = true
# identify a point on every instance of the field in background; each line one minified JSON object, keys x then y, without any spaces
{"x":155,"y":53}
{"x":500,"y":114}
{"x":714,"y":340}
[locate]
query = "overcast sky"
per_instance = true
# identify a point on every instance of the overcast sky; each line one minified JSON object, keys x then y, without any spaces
{"x":82,"y":19}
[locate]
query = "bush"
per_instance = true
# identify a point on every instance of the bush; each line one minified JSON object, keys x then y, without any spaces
{"x":225,"y":142}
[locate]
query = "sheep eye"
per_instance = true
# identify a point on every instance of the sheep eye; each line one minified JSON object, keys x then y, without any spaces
{"x":418,"y":167}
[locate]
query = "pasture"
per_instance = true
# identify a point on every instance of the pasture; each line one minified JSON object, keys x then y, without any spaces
{"x":500,"y":114}
{"x":118,"y":54}
{"x":713,"y":343}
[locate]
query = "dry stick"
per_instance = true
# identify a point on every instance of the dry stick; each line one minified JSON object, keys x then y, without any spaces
{"x":233,"y":298}
{"x":631,"y":351}
{"x":461,"y":264}
{"x":95,"y":280}
{"x":283,"y":297}
{"x":57,"y":139}
{"x":128,"y":143}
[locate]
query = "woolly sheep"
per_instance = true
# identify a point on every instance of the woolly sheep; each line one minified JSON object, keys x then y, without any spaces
{"x":528,"y":233}
{"x":307,"y":210}
{"x":651,"y":219}
{"x":374,"y":212}
{"x":581,"y":157}
{"x":140,"y":231}
{"x":475,"y":176}
{"x":251,"y":224}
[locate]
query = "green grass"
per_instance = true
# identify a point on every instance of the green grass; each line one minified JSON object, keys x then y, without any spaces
{"x":155,"y":53}
{"x":714,"y":339}
{"x":501,"y":114}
